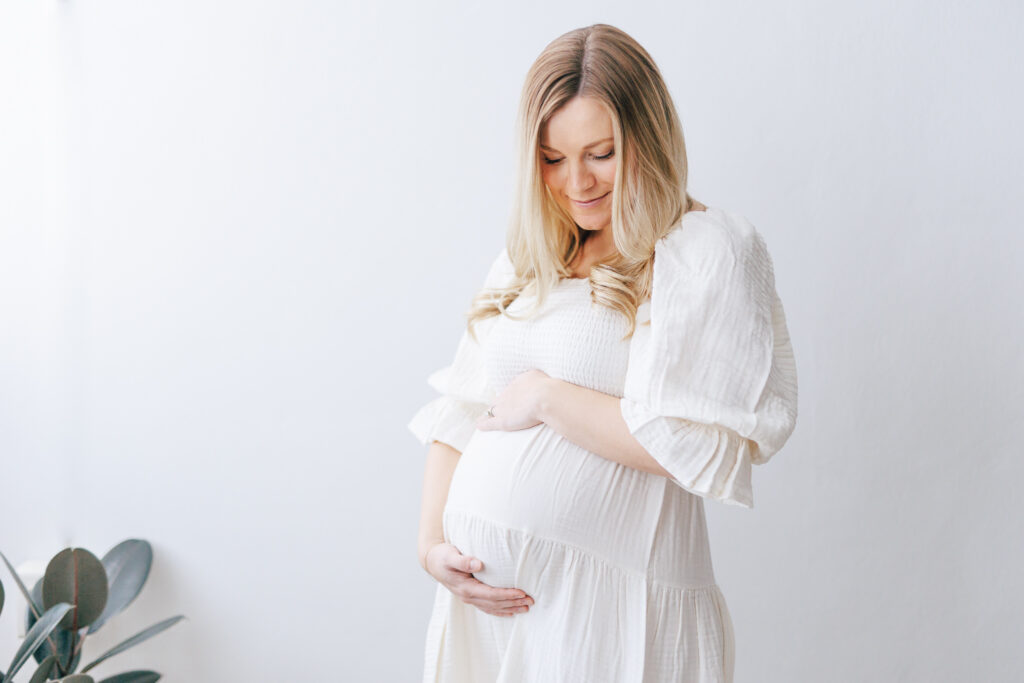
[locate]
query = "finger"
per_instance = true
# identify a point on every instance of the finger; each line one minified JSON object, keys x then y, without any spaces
{"x":515,"y":602}
{"x":470,"y":564}
{"x":507,"y":612}
{"x":491,"y":607}
{"x":477,"y":589}
{"x":515,"y":606}
{"x":464,"y":564}
{"x":500,"y":594}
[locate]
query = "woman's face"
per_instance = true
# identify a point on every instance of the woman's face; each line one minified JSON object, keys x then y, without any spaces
{"x":578,"y":161}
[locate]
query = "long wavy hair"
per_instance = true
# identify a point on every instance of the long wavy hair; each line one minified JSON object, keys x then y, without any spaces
{"x":649,"y":194}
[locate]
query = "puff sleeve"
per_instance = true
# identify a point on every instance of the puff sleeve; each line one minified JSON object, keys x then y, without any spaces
{"x":464,"y":391}
{"x":711,"y":384}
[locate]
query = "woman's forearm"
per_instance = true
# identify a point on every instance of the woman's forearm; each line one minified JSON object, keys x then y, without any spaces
{"x":593,"y":420}
{"x":437,"y":477}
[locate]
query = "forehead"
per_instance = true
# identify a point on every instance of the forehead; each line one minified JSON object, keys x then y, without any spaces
{"x":576,"y":124}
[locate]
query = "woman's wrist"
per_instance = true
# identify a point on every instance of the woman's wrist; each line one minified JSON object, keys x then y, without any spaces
{"x":547,"y":398}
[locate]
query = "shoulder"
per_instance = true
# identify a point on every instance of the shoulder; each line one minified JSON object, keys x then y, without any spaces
{"x":500,"y":270}
{"x":709,"y":241}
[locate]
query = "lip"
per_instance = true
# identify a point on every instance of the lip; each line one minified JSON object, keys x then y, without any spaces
{"x":592,"y":202}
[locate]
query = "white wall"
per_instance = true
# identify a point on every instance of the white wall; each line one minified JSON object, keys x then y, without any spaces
{"x":237,"y":236}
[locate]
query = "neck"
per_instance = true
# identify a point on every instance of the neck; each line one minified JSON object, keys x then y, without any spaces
{"x":600,"y":242}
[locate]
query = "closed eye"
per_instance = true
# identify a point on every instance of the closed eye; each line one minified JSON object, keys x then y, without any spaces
{"x":552,"y":162}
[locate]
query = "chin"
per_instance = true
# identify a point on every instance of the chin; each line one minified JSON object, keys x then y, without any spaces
{"x":591,"y":223}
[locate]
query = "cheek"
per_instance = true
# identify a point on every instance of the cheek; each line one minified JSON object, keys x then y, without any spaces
{"x":607,"y":175}
{"x":551,"y":178}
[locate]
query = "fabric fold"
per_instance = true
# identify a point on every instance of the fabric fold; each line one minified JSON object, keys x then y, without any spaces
{"x":711,"y":386}
{"x":705,"y":460}
{"x":465,"y":392}
{"x":447,"y":420}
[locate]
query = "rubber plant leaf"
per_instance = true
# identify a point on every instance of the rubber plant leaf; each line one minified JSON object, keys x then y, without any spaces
{"x":76,"y":576}
{"x":135,"y":640}
{"x":127,"y":565}
{"x":43,"y":671}
{"x":60,"y":641}
{"x":134,"y":677}
{"x":34,"y":606}
{"x":35,"y":637}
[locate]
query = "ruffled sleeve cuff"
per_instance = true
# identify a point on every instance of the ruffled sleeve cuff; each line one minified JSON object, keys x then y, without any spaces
{"x":706,"y":460}
{"x":447,"y":420}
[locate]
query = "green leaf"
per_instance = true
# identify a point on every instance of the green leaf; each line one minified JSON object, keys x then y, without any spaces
{"x":76,"y":576}
{"x":43,"y":672}
{"x":36,"y":635}
{"x":1,"y":597}
{"x":60,"y":643}
{"x":127,"y":565}
{"x":134,"y":677}
{"x":67,"y":658}
{"x":59,"y":639}
{"x":37,"y":597}
{"x":135,"y":640}
{"x":24,"y":591}
{"x":77,"y":678}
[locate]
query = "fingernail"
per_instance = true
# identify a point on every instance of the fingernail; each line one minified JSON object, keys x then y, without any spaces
{"x":474,"y":565}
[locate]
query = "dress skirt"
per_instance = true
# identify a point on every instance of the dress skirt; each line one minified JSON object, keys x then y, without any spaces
{"x":616,"y":559}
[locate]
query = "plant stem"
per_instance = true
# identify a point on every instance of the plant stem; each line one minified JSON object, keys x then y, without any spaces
{"x":71,"y":654}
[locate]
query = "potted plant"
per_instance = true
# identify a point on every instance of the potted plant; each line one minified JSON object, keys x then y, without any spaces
{"x":75,"y":597}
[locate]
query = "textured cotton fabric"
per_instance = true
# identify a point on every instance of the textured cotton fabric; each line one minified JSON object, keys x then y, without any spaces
{"x":617,"y":560}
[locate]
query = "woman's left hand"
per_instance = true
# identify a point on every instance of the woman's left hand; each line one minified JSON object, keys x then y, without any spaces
{"x":518,"y":405}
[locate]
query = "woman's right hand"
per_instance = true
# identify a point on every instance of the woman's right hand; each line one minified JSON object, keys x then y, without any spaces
{"x":454,"y":571}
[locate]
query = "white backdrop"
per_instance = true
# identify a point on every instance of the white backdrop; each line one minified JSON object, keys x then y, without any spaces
{"x":237,"y":236}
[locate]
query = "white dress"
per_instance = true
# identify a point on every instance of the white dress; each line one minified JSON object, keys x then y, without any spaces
{"x":616,"y":559}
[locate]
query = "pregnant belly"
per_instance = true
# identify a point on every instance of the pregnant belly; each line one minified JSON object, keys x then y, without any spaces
{"x":511,"y":488}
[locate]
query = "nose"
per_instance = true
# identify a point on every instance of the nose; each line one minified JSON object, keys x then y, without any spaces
{"x":580,"y":180}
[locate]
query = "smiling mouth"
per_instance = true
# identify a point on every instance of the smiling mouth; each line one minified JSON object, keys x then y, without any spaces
{"x":590,"y":202}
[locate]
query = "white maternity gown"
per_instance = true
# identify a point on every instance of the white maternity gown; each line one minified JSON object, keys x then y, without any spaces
{"x":617,"y":559}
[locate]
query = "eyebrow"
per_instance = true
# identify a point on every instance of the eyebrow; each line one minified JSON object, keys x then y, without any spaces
{"x":592,"y":144}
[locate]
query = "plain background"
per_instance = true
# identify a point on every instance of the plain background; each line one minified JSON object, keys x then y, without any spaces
{"x":238,"y":236}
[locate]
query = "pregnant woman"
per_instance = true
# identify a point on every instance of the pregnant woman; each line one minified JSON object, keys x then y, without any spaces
{"x":626,"y":359}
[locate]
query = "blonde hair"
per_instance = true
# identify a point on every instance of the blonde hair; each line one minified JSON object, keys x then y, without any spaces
{"x":649,"y":194}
